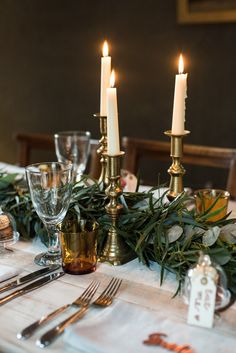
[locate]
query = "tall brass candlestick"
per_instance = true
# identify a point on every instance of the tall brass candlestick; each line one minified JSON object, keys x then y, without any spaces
{"x":176,"y":170}
{"x":102,"y":150}
{"x":115,"y":251}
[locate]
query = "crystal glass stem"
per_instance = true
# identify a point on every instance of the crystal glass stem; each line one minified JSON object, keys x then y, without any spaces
{"x":53,"y":239}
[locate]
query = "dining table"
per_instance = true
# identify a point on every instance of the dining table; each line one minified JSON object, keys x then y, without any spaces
{"x":142,"y":306}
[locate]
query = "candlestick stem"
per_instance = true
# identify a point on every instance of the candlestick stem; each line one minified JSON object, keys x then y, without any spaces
{"x":115,"y":251}
{"x":102,"y":150}
{"x":176,"y":169}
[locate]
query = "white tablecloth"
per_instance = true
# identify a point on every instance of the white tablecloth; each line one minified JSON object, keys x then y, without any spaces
{"x":140,"y":290}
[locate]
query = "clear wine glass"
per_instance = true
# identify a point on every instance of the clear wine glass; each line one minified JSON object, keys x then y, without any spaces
{"x":73,"y":147}
{"x":50,"y":186}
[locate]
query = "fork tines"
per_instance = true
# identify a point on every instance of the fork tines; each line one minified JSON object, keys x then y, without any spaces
{"x":109,"y":292}
{"x":86,"y":295}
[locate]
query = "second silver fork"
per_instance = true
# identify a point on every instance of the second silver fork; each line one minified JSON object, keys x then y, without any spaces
{"x":80,"y":301}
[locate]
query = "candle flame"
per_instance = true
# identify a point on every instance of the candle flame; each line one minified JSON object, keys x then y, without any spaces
{"x":112,"y":79}
{"x":181,"y":64}
{"x":105,"y":50}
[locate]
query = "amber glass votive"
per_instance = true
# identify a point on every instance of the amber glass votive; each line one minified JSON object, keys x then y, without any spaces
{"x":79,"y":249}
{"x":205,"y":198}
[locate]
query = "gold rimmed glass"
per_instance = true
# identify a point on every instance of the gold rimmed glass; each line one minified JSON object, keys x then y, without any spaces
{"x":213,"y":200}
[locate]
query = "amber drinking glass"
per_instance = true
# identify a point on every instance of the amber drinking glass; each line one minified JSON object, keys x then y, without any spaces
{"x":79,"y":249}
{"x":205,"y":198}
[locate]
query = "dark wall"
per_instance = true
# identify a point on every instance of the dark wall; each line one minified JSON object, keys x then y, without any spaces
{"x":50,"y":69}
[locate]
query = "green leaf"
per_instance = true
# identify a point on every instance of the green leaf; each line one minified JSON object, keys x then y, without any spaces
{"x":210,"y":236}
{"x":221,"y":256}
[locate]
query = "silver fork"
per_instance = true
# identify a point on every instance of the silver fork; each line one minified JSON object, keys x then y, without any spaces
{"x":104,"y":300}
{"x":80,"y":301}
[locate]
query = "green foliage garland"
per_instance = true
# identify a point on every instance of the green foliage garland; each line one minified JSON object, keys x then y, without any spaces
{"x":169,"y":233}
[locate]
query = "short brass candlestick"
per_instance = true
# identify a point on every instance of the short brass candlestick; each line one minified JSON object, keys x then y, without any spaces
{"x":176,"y":170}
{"x":102,"y":150}
{"x":115,"y":251}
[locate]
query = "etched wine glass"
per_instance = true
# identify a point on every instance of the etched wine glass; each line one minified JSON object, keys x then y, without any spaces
{"x":73,"y":147}
{"x":50,"y":186}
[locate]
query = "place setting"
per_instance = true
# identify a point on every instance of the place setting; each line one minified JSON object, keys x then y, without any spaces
{"x":93,"y":229}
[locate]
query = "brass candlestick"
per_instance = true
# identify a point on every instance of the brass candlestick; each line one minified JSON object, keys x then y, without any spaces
{"x":116,"y":251}
{"x":102,"y":150}
{"x":176,"y":170}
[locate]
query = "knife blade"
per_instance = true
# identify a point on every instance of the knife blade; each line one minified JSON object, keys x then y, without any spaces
{"x":34,"y":285}
{"x":31,"y":276}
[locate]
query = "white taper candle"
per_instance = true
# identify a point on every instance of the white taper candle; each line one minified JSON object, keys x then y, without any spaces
{"x":105,"y":79}
{"x":113,"y":139}
{"x":180,"y":94}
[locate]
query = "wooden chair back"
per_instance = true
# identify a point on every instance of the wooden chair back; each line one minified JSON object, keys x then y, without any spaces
{"x":216,"y":157}
{"x":31,"y":142}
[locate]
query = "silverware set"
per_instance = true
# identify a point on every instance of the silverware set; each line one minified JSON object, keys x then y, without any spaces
{"x":84,"y":302}
{"x":44,"y":275}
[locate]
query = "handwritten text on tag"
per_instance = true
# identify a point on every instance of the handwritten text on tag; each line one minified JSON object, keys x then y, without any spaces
{"x":202,"y":301}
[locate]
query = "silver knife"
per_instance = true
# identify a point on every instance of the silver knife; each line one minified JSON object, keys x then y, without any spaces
{"x":28,"y":278}
{"x":34,"y":285}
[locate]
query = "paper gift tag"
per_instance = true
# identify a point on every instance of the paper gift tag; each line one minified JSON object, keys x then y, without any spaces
{"x":202,"y":300}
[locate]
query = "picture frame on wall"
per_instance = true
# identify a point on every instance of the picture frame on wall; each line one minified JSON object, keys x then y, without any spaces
{"x":206,"y":11}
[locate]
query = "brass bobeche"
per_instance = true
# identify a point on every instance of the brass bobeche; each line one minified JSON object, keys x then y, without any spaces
{"x":176,"y":170}
{"x":102,"y":150}
{"x":115,"y":251}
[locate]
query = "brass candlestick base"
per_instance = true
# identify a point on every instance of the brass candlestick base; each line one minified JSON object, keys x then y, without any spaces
{"x":102,"y":150}
{"x":176,"y":170}
{"x":116,"y":251}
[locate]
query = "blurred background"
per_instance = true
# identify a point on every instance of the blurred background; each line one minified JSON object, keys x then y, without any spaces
{"x":50,"y":71}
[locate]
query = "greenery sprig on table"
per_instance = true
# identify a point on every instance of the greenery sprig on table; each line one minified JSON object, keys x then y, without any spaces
{"x":169,"y":233}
